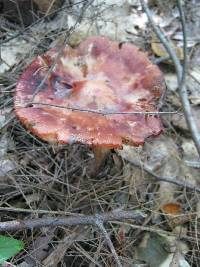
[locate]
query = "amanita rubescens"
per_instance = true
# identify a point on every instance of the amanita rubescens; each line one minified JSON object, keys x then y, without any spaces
{"x":87,"y":85}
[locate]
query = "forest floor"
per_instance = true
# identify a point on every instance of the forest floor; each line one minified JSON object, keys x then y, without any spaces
{"x":39,"y":180}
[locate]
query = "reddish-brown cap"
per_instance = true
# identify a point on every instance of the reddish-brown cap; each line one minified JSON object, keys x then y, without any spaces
{"x":99,"y":75}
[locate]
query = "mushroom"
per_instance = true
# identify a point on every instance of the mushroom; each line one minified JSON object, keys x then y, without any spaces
{"x":96,"y":95}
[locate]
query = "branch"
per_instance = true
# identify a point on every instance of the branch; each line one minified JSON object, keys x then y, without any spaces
{"x":97,"y":220}
{"x":191,"y":123}
{"x":101,"y":227}
{"x":116,"y":215}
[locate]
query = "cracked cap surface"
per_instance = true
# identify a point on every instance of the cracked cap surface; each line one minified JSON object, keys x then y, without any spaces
{"x":99,"y":75}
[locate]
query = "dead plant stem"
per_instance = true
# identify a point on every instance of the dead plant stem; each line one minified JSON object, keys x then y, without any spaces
{"x":101,"y":227}
{"x":117,"y":215}
{"x":101,"y":112}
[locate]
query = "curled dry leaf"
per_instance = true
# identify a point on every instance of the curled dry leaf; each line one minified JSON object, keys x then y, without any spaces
{"x":160,"y":51}
{"x":174,"y":214}
{"x":101,"y":76}
{"x":172,"y":208}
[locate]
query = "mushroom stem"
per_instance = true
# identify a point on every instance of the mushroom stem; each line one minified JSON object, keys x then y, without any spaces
{"x":100,"y":155}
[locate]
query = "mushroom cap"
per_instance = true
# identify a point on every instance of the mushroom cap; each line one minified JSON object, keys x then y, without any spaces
{"x":99,"y":75}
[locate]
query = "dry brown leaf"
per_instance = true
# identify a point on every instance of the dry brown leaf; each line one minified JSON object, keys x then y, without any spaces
{"x":160,"y":51}
{"x":171,"y":211}
{"x":172,"y":208}
{"x":178,"y":120}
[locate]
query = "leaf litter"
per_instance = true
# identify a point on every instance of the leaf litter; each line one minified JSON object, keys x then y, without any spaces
{"x":38,"y":177}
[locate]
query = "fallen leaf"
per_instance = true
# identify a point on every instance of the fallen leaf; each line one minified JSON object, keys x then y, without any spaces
{"x":172,"y":208}
{"x":171,"y":81}
{"x":157,"y":251}
{"x":193,"y":83}
{"x":160,"y":51}
{"x":173,"y":214}
{"x":9,"y":247}
{"x":178,"y":260}
{"x":13,"y":52}
{"x":189,"y":150}
{"x":39,"y":248}
{"x":179,"y":121}
{"x":153,"y":250}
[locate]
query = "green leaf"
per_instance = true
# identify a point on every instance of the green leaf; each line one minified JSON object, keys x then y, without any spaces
{"x":154,"y":249}
{"x":9,"y":247}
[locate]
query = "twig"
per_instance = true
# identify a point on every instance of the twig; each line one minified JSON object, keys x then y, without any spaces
{"x":104,"y":112}
{"x":160,"y":59}
{"x":37,"y":211}
{"x":193,"y":164}
{"x":97,"y":220}
{"x":191,"y":123}
{"x":163,"y":178}
{"x":116,"y":215}
{"x":101,"y":227}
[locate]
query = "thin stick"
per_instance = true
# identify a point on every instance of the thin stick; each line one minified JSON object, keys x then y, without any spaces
{"x":105,"y":112}
{"x":101,"y":227}
{"x":191,"y":123}
{"x":116,"y":215}
{"x":50,"y":212}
